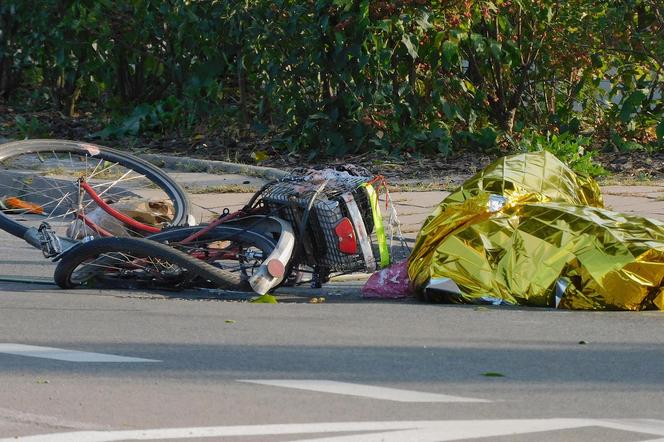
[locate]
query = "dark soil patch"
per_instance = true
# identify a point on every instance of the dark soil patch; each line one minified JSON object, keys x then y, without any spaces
{"x":434,"y":171}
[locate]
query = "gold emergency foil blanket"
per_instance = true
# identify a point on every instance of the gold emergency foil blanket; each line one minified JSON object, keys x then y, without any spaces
{"x":545,"y":246}
{"x":538,"y":176}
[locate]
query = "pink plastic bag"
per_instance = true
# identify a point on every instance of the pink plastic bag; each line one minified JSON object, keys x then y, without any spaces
{"x":390,"y":283}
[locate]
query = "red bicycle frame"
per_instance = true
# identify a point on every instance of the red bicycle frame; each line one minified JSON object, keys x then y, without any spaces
{"x":137,"y":225}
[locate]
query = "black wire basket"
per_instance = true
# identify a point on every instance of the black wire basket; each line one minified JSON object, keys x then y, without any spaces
{"x":291,"y":197}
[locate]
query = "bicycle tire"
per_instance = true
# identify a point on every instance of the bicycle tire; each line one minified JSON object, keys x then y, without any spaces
{"x":245,"y":240}
{"x":92,"y":257}
{"x":21,"y":150}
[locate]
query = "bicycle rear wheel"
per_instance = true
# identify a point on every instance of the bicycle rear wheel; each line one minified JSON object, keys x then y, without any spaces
{"x":39,"y":182}
{"x":132,"y":263}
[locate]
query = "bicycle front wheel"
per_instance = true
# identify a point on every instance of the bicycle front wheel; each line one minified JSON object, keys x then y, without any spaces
{"x":40,"y":182}
{"x":136,"y":263}
{"x":236,"y":251}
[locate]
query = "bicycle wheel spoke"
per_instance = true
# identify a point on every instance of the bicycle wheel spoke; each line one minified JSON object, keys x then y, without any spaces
{"x":105,"y":168}
{"x":235,"y":257}
{"x":65,"y":196}
{"x":71,"y":160}
{"x":35,"y":191}
{"x":41,"y":177}
{"x":129,"y":266}
{"x":46,"y":200}
{"x":113,"y":183}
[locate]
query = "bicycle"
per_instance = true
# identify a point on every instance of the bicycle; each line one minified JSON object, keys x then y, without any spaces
{"x":50,"y":191}
{"x":290,"y":227}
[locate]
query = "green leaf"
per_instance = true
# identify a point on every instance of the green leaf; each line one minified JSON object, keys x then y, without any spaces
{"x":339,"y":38}
{"x":363,"y":21}
{"x":438,"y":39}
{"x":412,"y":49}
{"x":324,"y":22}
{"x":450,"y":52}
{"x":449,"y":111}
{"x":423,"y":21}
{"x":630,"y":105}
{"x":636,"y":98}
{"x":478,"y":42}
{"x":496,"y":50}
{"x":596,"y":60}
{"x":487,"y":137}
{"x":264,"y":299}
{"x":493,"y":374}
{"x":660,"y":130}
{"x":260,"y":155}
{"x":346,"y":4}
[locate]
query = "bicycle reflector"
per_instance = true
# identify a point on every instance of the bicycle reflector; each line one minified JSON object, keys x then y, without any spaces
{"x":346,"y":233}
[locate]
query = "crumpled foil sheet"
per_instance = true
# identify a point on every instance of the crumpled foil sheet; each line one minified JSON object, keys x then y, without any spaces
{"x":528,"y":230}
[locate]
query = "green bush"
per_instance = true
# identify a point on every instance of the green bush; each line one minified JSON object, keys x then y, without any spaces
{"x":573,"y":150}
{"x":330,"y":77}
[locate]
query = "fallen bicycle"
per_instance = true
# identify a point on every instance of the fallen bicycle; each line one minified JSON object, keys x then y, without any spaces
{"x":312,"y":222}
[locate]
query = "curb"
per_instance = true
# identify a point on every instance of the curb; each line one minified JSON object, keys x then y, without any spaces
{"x":185,"y":164}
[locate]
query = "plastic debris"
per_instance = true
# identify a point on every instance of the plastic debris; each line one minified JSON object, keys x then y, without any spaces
{"x":154,"y":213}
{"x":13,"y":203}
{"x":389,"y":283}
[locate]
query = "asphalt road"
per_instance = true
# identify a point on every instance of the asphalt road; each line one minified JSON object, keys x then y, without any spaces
{"x":173,"y":366}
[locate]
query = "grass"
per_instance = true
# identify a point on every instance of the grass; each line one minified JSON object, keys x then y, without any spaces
{"x":223,"y":188}
{"x":642,"y":179}
{"x":423,"y":186}
{"x":418,"y":187}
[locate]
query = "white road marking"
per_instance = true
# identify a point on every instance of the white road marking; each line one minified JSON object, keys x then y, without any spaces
{"x":368,"y":391}
{"x":423,"y":431}
{"x":61,"y":354}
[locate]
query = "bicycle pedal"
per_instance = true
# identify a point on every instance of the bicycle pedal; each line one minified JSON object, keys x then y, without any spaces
{"x":48,"y":240}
